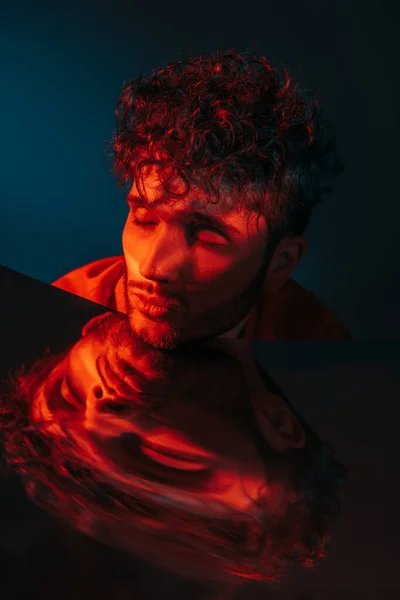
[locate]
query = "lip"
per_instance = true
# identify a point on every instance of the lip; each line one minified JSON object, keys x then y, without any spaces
{"x":157,"y":306}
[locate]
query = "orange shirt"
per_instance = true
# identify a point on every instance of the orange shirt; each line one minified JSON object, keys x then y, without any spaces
{"x":292,"y":313}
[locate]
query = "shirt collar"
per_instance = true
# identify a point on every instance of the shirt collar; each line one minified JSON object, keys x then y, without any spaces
{"x":236,"y":331}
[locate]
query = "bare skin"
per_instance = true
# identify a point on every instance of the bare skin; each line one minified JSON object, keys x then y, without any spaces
{"x":194,"y":269}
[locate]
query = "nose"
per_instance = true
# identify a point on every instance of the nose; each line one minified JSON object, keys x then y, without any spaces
{"x":116,"y":407}
{"x":107,"y":401}
{"x":167,"y":259}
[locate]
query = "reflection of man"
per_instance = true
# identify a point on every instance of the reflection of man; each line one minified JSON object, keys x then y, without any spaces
{"x":227,"y":160}
{"x":206,"y":486}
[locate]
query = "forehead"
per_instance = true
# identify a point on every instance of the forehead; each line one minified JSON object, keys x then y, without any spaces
{"x":193,"y":200}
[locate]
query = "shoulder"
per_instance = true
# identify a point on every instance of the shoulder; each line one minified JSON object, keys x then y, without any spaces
{"x":94,"y":281}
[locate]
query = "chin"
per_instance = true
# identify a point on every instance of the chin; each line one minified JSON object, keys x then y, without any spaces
{"x":155,"y":333}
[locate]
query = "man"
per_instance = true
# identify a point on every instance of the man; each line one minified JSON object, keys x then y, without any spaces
{"x":227,"y":160}
{"x":218,"y":487}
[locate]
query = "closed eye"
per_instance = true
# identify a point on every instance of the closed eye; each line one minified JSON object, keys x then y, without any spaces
{"x":209,"y":236}
{"x":204,"y":234}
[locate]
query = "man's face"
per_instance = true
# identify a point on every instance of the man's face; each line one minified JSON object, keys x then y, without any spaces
{"x":192,"y":450}
{"x":202,"y":263}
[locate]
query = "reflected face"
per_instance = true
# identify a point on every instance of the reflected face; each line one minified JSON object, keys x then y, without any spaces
{"x":193,"y":269}
{"x":166,"y":467}
{"x":193,"y":448}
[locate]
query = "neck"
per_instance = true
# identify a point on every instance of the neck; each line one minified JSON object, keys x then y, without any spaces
{"x":235,"y":331}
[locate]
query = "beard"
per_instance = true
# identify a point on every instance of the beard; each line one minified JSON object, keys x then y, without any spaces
{"x":200,"y":325}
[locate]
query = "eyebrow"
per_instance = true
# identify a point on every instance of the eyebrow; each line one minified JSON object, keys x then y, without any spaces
{"x":207,"y":220}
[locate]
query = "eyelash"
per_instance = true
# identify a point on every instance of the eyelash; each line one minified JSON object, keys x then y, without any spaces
{"x":146,"y":225}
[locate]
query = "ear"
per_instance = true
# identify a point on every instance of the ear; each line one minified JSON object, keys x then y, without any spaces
{"x":92,"y":324}
{"x":284,"y":261}
{"x":278,"y":424}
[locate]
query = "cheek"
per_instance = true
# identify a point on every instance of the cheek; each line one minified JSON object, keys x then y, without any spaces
{"x":210,"y":267}
{"x":231,"y":275}
{"x":196,"y":416}
{"x":238,"y":488}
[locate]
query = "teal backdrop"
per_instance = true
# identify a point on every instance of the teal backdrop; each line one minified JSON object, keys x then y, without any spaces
{"x":62,"y":67}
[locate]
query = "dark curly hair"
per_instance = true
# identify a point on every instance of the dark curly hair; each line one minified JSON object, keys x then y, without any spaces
{"x":229,"y":122}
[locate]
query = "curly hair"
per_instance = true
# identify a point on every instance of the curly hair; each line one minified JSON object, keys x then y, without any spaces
{"x":229,"y":122}
{"x":291,"y":526}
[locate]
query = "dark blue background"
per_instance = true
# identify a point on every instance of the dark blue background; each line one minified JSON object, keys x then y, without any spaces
{"x":62,"y":68}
